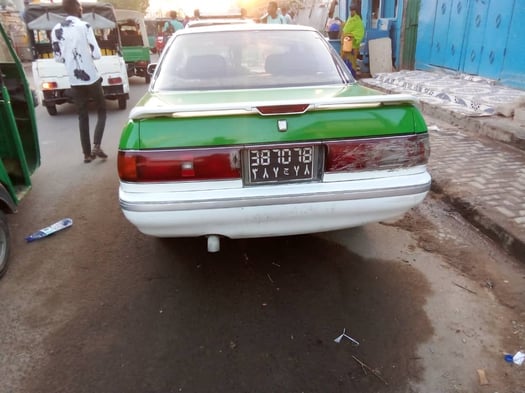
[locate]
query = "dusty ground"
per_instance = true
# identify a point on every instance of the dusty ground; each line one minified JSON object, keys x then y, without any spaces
{"x":474,"y":299}
{"x":428,"y":299}
{"x":491,"y":312}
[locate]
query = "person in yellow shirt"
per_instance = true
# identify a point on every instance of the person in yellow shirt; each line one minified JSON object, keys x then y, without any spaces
{"x":354,"y":29}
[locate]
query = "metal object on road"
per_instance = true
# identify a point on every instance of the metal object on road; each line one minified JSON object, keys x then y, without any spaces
{"x":344,"y":335}
{"x":50,"y":230}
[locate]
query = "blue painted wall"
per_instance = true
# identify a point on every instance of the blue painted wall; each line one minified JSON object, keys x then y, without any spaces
{"x":479,"y":37}
{"x":513,"y":70}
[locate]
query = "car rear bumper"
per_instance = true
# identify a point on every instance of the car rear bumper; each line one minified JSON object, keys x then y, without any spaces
{"x":114,"y":91}
{"x":269,"y":210}
{"x":60,"y":96}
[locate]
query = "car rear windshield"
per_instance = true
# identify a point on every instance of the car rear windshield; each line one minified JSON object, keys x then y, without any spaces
{"x":247,"y":60}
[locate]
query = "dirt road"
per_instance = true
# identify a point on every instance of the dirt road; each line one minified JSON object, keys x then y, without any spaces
{"x":102,"y":308}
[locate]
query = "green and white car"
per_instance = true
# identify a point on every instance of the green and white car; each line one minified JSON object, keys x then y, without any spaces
{"x":255,"y":130}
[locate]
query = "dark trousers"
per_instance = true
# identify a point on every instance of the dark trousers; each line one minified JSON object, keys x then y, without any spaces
{"x":82,"y":95}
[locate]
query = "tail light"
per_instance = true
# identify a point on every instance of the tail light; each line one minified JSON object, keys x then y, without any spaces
{"x":115,"y":80}
{"x":282,"y":109}
{"x":224,"y":163}
{"x":377,"y":153}
{"x":49,"y":85}
{"x":179,"y":165}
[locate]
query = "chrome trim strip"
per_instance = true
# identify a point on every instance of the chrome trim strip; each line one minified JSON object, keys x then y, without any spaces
{"x":319,"y":197}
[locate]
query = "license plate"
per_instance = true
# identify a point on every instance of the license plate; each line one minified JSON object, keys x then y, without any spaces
{"x":280,"y":164}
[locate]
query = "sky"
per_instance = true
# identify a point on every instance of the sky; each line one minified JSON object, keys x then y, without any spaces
{"x":205,"y":6}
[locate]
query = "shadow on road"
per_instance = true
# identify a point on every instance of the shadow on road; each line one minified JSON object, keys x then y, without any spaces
{"x":260,"y":316}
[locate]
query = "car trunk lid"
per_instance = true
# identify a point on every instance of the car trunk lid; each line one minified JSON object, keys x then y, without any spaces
{"x":221,"y":118}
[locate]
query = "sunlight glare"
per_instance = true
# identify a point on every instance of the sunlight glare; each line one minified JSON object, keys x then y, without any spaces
{"x":162,"y":7}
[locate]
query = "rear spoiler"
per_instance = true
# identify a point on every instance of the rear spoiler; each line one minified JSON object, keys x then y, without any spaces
{"x":244,"y":108}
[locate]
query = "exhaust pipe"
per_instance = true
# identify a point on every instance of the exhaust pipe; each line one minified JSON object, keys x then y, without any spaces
{"x":214,"y":243}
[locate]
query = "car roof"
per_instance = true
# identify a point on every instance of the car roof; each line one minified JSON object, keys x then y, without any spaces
{"x":244,"y":27}
{"x":216,"y":21}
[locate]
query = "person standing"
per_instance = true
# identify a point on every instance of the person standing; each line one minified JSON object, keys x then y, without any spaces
{"x":273,"y":16}
{"x":75,"y":45}
{"x":354,"y":29}
{"x":285,"y":12}
{"x":196,"y":14}
{"x":173,"y":24}
{"x":333,"y":28}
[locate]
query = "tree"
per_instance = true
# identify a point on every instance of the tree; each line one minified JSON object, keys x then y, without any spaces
{"x":136,"y":5}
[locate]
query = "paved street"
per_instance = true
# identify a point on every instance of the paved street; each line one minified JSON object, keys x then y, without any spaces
{"x":481,"y":176}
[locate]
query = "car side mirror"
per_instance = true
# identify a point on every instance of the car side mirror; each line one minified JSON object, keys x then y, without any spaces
{"x":151,"y":68}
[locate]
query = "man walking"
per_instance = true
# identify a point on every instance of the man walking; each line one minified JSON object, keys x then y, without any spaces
{"x":74,"y":44}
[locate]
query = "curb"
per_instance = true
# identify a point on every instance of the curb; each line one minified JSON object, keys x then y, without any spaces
{"x":506,"y":239}
{"x":480,"y":217}
{"x":500,"y":129}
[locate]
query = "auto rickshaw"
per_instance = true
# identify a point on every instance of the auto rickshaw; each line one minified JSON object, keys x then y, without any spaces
{"x":50,"y":77}
{"x":135,"y":44}
{"x":19,"y":147}
{"x":151,"y":28}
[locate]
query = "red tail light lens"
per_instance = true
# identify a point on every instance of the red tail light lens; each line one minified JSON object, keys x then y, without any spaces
{"x":179,"y":165}
{"x":49,"y":85}
{"x":377,"y":153}
{"x":115,"y":80}
{"x":282,"y":109}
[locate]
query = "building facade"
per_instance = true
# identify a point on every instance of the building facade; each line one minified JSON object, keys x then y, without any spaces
{"x":477,"y":37}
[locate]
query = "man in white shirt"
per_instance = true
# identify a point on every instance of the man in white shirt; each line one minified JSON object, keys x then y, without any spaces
{"x":75,"y":45}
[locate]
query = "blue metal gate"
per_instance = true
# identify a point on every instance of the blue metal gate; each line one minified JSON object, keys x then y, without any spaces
{"x":480,"y":37}
{"x":449,"y":24}
{"x":488,"y":28}
{"x":513,"y":72}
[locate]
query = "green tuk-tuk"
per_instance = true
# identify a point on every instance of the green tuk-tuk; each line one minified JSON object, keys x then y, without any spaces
{"x":135,"y":44}
{"x":19,"y":148}
{"x":152,"y":29}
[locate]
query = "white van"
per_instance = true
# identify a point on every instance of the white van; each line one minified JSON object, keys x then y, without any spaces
{"x":51,"y":78}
